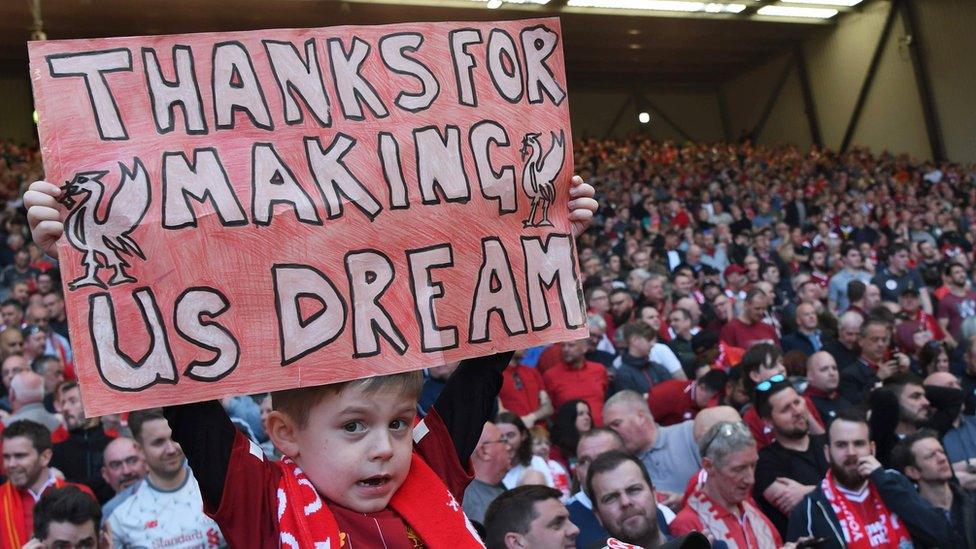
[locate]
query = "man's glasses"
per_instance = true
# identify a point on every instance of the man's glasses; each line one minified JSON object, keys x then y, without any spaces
{"x":725,"y":431}
{"x":768,"y":384}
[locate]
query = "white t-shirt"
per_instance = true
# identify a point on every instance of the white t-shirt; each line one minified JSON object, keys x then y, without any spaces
{"x":663,"y":355}
{"x":151,"y":517}
{"x":514,"y":474}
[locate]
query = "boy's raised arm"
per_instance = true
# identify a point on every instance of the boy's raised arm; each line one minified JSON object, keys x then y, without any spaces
{"x":466,"y":402}
{"x":207,"y":437}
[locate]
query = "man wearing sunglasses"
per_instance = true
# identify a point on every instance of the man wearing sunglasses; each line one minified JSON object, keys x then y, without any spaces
{"x":793,"y":464}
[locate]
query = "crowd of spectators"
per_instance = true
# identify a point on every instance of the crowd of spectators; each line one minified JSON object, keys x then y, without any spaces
{"x":781,"y":353}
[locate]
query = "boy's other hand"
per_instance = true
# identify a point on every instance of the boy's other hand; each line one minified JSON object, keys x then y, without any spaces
{"x":43,"y":215}
{"x":582,"y":206}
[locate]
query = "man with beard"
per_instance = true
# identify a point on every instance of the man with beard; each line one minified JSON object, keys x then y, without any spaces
{"x":621,"y":310}
{"x":574,"y":377}
{"x":624,"y":499}
{"x":166,"y":509}
{"x":823,"y":379}
{"x":80,"y":456}
{"x":957,"y":305}
{"x":721,"y":507}
{"x":922,"y":458}
{"x":858,"y":503}
{"x":791,"y":466}
{"x":529,"y":516}
{"x":26,"y":459}
{"x":903,"y":405}
{"x":124,"y":466}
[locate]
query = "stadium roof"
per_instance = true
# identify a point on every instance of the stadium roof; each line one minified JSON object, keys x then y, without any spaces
{"x":615,"y":43}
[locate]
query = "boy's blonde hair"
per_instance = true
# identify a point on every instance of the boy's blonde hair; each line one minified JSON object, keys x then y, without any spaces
{"x":298,"y":403}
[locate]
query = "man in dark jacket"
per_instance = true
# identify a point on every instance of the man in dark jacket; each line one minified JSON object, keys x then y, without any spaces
{"x":80,"y":456}
{"x":635,"y":372}
{"x":858,"y":499}
{"x":922,"y":458}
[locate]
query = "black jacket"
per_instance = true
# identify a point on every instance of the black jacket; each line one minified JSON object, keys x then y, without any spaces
{"x":80,"y":459}
{"x":856,"y":381}
{"x":927,"y":525}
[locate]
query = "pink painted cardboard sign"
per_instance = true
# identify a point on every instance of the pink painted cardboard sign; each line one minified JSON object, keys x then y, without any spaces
{"x":255,"y":211}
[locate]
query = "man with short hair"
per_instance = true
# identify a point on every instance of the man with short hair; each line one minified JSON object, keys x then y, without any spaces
{"x":748,"y":329}
{"x":66,"y":517}
{"x":26,"y":456}
{"x":660,"y":352}
{"x":921,"y":457}
{"x":12,"y":314}
{"x":858,"y":503}
{"x":523,"y":392}
{"x":957,"y":305}
{"x":807,"y":338}
{"x":124,"y":465}
{"x":529,"y":516}
{"x":674,"y":401}
{"x":680,"y":326}
{"x":56,"y":318}
{"x":897,"y":277}
{"x":635,"y":371}
{"x":915,"y":326}
{"x":621,"y":307}
{"x":592,"y":443}
{"x":79,"y":457}
{"x":490,"y":462}
{"x":167,"y":504}
{"x":853,"y":270}
{"x":624,"y":498}
{"x":669,"y":453}
{"x":823,"y":379}
{"x":574,"y":377}
{"x":26,"y":401}
{"x":858,"y":378}
{"x":11,"y":366}
{"x":844,"y":349}
{"x":722,"y":506}
{"x":792,"y":465}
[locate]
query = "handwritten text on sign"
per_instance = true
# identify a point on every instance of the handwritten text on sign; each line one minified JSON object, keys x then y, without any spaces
{"x":264,"y":210}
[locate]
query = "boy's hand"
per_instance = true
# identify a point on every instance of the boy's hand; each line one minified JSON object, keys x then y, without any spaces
{"x":582,"y":206}
{"x":43,"y":215}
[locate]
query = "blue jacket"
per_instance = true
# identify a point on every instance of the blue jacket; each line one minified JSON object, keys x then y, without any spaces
{"x":927,"y":525}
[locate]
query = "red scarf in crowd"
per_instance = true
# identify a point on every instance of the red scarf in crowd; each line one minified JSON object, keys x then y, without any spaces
{"x":854,"y":528}
{"x":424,"y":502}
{"x":14,"y":531}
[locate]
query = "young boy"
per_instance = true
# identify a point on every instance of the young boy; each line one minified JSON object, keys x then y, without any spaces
{"x":357,"y":474}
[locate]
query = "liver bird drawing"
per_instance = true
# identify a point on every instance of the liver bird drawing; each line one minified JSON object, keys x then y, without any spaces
{"x":539,"y":175}
{"x":105,"y":239}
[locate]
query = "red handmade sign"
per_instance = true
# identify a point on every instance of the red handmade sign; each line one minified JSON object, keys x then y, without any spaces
{"x":264,"y":210}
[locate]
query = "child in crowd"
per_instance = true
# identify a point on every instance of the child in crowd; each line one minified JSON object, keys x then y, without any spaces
{"x":541,"y":448}
{"x":356,"y":471}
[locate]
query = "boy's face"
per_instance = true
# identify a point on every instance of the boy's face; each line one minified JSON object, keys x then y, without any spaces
{"x":356,"y":447}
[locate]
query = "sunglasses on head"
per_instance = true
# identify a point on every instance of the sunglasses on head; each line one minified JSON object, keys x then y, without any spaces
{"x":725,"y":431}
{"x":764,"y":386}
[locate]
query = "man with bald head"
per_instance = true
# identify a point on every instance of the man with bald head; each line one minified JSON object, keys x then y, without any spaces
{"x":124,"y":466}
{"x":807,"y":337}
{"x":26,"y":401}
{"x":823,"y":379}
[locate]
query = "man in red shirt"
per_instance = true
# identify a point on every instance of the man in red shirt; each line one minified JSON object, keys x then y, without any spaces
{"x":26,"y":454}
{"x":958,"y":305}
{"x":674,"y":401}
{"x":577,"y":378}
{"x":523,"y":392}
{"x":748,"y":329}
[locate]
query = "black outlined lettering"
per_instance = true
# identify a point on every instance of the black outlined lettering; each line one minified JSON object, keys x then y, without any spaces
{"x":538,"y":44}
{"x":188,"y":317}
{"x":464,"y":62}
{"x":494,"y":185}
{"x":495,"y":292}
{"x":349,"y":83}
{"x":440,"y":165}
{"x":117,"y":369}
{"x":504,"y":66}
{"x":389,"y":153}
{"x":272,"y":182}
{"x":425,"y":290}
{"x":92,"y":66}
{"x":370,"y":274}
{"x":202,"y":178}
{"x":236,"y":88}
{"x":333,"y":178}
{"x":299,"y":78}
{"x":392,"y":52}
{"x":297,"y":336}
{"x":548,"y":264}
{"x":183,"y":92}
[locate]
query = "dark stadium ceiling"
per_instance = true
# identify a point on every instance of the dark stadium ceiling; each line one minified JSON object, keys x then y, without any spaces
{"x":708,"y":43}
